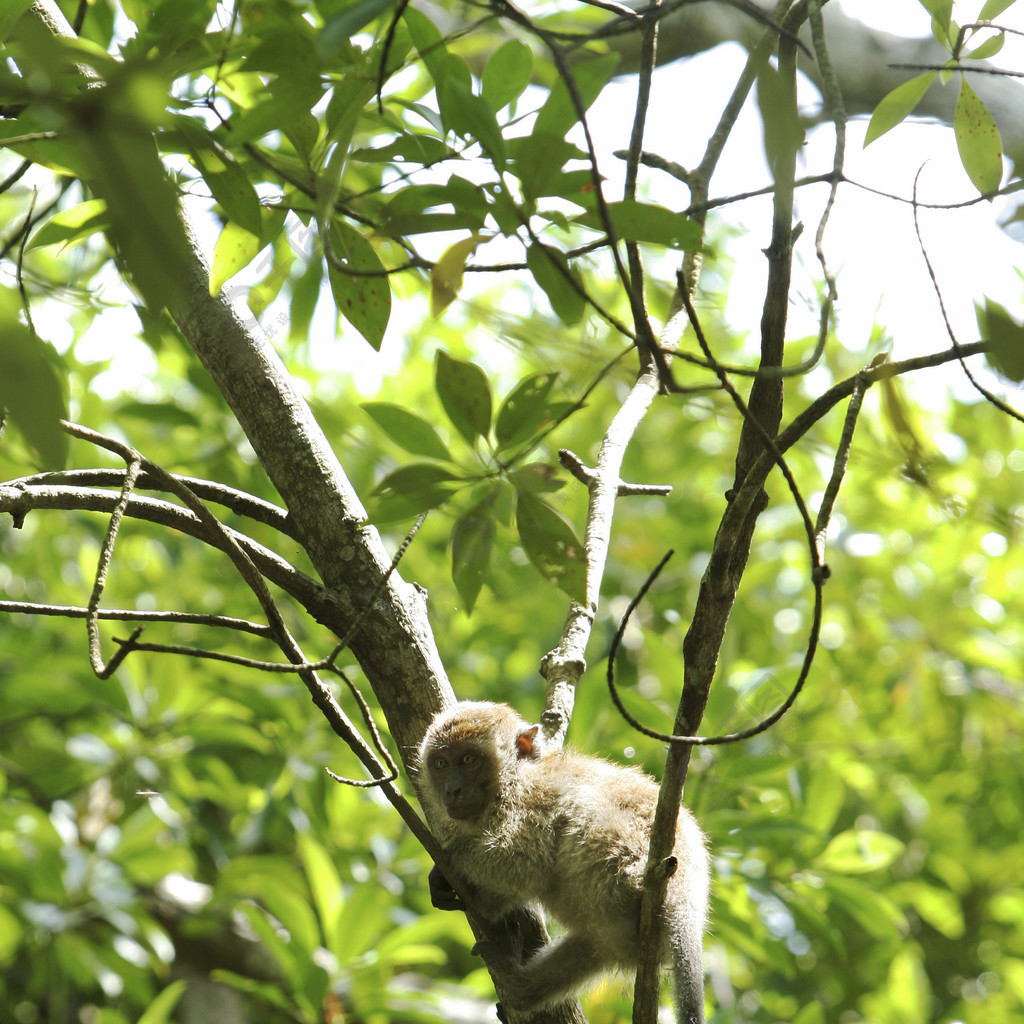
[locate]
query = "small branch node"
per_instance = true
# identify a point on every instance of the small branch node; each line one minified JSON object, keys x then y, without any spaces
{"x":574,"y":464}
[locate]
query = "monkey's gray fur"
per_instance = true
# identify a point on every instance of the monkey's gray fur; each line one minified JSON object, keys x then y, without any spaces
{"x":569,"y":833}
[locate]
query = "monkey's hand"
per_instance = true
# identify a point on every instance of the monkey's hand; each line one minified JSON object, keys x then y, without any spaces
{"x":442,"y":895}
{"x":503,"y":950}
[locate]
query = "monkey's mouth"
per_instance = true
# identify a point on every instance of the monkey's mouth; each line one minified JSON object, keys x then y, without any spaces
{"x":460,"y":812}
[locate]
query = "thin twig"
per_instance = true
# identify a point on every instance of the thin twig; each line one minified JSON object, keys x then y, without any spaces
{"x":321,"y":695}
{"x":70,"y":611}
{"x":957,"y":347}
{"x":743,"y":499}
{"x":102,"y":670}
{"x":840,"y":462}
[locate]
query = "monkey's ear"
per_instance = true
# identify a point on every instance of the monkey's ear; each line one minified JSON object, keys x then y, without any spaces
{"x":526,"y":743}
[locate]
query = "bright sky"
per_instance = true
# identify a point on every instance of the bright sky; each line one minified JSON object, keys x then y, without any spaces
{"x":870,"y":242}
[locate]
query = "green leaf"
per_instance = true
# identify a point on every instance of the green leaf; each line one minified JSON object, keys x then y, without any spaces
{"x":348,"y":99}
{"x":938,"y":906}
{"x":559,"y":113}
{"x":159,"y":1011}
{"x":59,"y":154}
{"x":338,"y":30}
{"x":114,"y":135}
{"x":989,"y":48}
{"x":552,"y":272}
{"x":896,"y":105}
{"x":780,"y":120}
{"x":423,"y":149}
{"x":908,"y":988}
{"x":977,"y":138}
{"x":875,"y":913}
{"x":408,"y":491}
{"x":364,"y":299}
{"x":10,"y":12}
{"x":31,"y":389}
{"x":275,"y":108}
{"x":472,"y":542}
{"x":857,"y":851}
{"x":536,"y":478}
{"x":405,"y":428}
{"x":269,"y":993}
{"x":812,"y":1013}
{"x":461,"y":195}
{"x":11,"y":931}
{"x":270,"y":935}
{"x":524,"y":409}
{"x":941,"y":12}
{"x":229,"y":184}
{"x":641,"y":222}
{"x":469,"y":115}
{"x":507,"y":73}
{"x":365,"y":919}
{"x":324,"y":884}
{"x":427,"y":39}
{"x":292,"y":909}
{"x":406,"y":212}
{"x":454,"y":68}
{"x":551,"y":544}
{"x":168,"y":414}
{"x":465,"y":395}
{"x":1005,"y":339}
{"x":539,"y":160}
{"x":993,"y":8}
{"x":305,"y":294}
{"x":73,"y":225}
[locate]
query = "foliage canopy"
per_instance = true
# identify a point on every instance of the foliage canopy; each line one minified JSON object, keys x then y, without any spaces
{"x":170,"y":847}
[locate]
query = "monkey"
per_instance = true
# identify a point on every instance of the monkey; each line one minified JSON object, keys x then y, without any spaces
{"x":568,"y":833}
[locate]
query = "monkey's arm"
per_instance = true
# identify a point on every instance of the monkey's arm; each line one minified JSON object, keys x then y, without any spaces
{"x":488,"y":905}
{"x":442,"y":895}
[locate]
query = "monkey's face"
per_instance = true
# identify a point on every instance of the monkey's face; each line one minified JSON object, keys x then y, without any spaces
{"x":463,"y":776}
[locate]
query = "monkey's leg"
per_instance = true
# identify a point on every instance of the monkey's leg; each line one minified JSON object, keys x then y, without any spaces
{"x":558,"y":970}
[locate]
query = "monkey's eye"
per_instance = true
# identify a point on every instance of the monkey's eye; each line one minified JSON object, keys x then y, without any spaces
{"x":439,"y":764}
{"x":469,"y":757}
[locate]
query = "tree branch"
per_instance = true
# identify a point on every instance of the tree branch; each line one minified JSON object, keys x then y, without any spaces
{"x":394,"y":647}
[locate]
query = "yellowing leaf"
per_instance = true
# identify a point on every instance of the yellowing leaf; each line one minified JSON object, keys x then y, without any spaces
{"x":446,"y":277}
{"x":235,"y":249}
{"x":977,"y":138}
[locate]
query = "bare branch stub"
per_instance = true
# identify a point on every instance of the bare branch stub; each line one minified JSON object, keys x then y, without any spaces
{"x":586,"y":476}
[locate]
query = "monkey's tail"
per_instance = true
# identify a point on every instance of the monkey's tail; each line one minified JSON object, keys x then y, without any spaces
{"x":687,"y":947}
